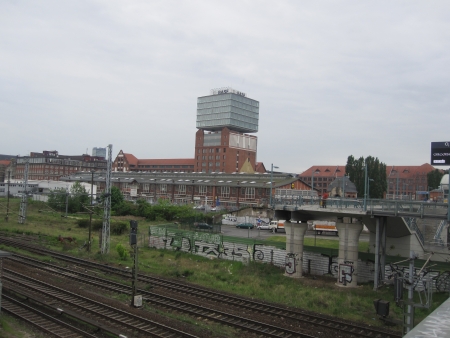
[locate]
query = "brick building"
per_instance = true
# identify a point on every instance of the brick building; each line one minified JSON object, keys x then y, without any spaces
{"x":50,"y":165}
{"x":226,"y":190}
{"x":128,"y":162}
{"x":4,"y":164}
{"x":222,"y":142}
{"x":406,"y":181}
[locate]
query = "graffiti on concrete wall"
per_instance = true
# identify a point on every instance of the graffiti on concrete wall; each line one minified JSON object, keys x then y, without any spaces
{"x":290,"y":266}
{"x":210,"y":245}
{"x":346,"y":272}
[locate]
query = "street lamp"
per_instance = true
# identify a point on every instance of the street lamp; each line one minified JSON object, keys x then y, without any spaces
{"x":368,"y":186}
{"x":271,"y":182}
{"x":312,"y":183}
{"x":365,"y":186}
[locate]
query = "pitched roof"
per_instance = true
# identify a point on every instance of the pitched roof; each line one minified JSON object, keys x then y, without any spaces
{"x":131,"y":159}
{"x":325,"y":170}
{"x":167,"y":161}
{"x":339,"y":170}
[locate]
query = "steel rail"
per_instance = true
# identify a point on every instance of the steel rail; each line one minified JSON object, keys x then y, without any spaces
{"x":269,"y":309}
{"x":181,"y":306}
{"x":41,"y":320}
{"x":83,"y":304}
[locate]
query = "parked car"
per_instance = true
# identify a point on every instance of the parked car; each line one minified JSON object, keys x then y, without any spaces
{"x":203,"y":226}
{"x":245,"y":226}
{"x":264,"y":226}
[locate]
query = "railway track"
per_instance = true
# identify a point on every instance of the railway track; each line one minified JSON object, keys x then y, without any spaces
{"x":196,"y":311}
{"x":109,"y":318}
{"x":270,"y":310}
{"x":41,"y":320}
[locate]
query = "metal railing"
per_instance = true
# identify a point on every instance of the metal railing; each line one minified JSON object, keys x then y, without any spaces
{"x":437,"y":236}
{"x":381,"y":207}
{"x":412,"y":225}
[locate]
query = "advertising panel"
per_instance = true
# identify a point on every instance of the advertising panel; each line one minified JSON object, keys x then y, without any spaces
{"x":440,"y":153}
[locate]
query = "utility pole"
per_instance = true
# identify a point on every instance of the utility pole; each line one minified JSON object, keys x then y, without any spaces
{"x":7,"y":196}
{"x":136,"y":301}
{"x":107,"y":205}
{"x":24,"y":201}
{"x":90,"y":212}
{"x":67,"y":202}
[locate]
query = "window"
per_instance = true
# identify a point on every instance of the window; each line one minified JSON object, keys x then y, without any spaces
{"x":250,"y":193}
{"x":202,"y":189}
{"x":225,"y":192}
{"x":146,"y":187}
{"x":163,"y":188}
{"x":182,"y":189}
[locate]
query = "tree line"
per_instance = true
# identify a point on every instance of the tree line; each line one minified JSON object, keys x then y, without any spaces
{"x":77,"y":200}
{"x":376,"y":175}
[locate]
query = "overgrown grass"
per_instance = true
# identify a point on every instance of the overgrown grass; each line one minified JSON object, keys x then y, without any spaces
{"x":262,"y":281}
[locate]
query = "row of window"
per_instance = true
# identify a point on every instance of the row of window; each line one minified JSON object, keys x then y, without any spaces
{"x":211,"y":157}
{"x":210,"y":150}
{"x":229,"y":96}
{"x":247,"y":192}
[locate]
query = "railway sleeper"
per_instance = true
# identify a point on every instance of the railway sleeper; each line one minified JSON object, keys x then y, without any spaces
{"x":66,"y":312}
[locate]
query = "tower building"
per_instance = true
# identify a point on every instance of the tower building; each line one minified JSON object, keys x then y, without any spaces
{"x":222,"y":143}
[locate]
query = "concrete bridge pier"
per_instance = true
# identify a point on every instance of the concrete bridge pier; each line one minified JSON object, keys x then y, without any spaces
{"x":348,"y":251}
{"x":295,"y":235}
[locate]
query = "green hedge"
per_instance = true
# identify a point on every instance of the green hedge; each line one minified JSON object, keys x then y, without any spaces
{"x":116,"y":228}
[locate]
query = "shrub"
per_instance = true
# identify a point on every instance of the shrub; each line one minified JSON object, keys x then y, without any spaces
{"x":118,"y":228}
{"x":123,"y":253}
{"x":83,"y":223}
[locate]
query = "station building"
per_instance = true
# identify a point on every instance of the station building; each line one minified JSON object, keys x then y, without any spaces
{"x":213,"y":189}
{"x":407,"y":182}
{"x":50,"y":165}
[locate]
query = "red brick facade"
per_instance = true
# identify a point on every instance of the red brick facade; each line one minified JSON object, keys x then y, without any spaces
{"x":224,"y":157}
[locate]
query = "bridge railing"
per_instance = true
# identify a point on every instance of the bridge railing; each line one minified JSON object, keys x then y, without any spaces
{"x":412,"y":224}
{"x":373,"y":206}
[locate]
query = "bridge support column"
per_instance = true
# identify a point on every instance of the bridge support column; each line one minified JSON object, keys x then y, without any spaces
{"x":380,"y":251}
{"x":348,"y":251}
{"x":295,"y":235}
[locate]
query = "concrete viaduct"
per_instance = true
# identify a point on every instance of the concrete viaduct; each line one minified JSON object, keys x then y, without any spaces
{"x":384,"y":219}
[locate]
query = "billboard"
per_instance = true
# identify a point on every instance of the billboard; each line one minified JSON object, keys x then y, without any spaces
{"x":440,"y":153}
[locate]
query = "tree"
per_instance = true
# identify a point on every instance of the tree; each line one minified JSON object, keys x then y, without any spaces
{"x":57,"y":199}
{"x":434,"y":178}
{"x":376,"y":171}
{"x":116,"y":197}
{"x":78,"y":197}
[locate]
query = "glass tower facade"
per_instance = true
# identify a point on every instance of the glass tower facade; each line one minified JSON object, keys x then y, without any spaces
{"x":228,"y":109}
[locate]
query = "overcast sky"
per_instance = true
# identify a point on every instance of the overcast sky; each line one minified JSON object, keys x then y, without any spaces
{"x":333,"y":78}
